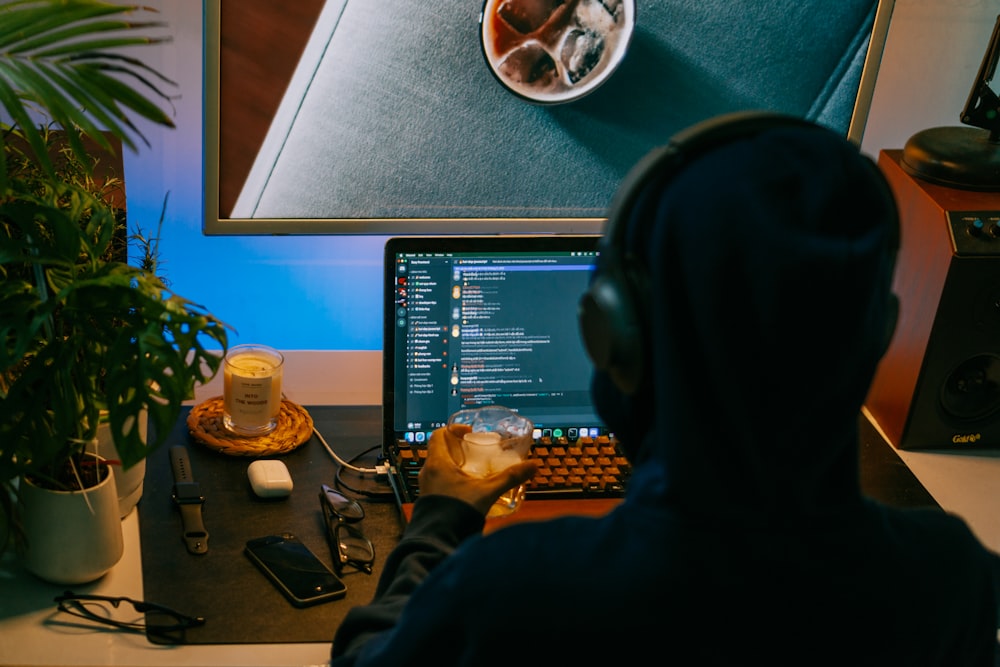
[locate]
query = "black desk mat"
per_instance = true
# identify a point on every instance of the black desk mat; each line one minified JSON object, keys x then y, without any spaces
{"x":239,"y":604}
{"x":242,"y":607}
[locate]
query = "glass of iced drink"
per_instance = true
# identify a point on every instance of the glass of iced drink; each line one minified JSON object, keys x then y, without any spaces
{"x":499,"y":438}
{"x":553,"y":51}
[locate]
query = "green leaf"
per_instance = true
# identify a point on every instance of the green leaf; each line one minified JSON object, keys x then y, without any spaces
{"x":124,"y":93}
{"x":11,"y":101}
{"x":63,"y":46}
{"x":59,"y":55}
{"x":65,"y":112}
{"x":86,"y":46}
{"x":27,"y":19}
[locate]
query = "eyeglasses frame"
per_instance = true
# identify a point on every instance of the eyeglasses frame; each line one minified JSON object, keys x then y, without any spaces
{"x":336,"y":520}
{"x":66,"y":600}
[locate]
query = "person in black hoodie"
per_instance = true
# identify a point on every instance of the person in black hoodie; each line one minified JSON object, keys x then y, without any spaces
{"x":736,"y":317}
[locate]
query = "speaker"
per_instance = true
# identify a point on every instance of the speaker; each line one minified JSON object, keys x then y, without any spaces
{"x":938,"y":385}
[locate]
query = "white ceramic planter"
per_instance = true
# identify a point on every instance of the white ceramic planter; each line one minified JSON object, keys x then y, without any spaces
{"x":128,"y":480}
{"x":71,"y":537}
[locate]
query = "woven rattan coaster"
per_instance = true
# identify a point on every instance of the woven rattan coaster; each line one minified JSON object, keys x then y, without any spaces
{"x":294,"y":429}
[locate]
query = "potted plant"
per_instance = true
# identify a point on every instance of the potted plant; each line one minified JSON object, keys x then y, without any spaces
{"x":83,"y":332}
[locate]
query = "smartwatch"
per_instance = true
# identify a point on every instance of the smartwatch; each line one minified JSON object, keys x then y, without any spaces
{"x":188,"y":498}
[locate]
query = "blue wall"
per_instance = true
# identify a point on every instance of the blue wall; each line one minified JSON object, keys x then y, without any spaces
{"x":293,"y":293}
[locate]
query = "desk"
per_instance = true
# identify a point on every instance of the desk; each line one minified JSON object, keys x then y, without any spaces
{"x":33,"y":633}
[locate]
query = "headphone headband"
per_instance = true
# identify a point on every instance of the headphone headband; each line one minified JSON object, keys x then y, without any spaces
{"x":612,"y":312}
{"x":664,"y":161}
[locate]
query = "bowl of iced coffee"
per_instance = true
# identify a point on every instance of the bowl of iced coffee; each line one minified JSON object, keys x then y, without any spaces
{"x":554,"y":51}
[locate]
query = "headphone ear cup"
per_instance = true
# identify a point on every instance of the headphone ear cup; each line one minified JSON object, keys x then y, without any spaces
{"x":611,"y":334}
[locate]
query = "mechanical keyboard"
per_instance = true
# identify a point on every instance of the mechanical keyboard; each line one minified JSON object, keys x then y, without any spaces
{"x":584,"y":468}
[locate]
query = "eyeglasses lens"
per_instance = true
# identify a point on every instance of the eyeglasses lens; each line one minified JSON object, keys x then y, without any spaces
{"x":354,"y":548}
{"x":346,"y":509}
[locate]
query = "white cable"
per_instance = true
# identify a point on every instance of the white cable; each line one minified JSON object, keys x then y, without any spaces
{"x":341,"y":461}
{"x":378,"y":470}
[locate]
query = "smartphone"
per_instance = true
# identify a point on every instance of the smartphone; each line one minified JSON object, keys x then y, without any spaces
{"x":295,"y":569}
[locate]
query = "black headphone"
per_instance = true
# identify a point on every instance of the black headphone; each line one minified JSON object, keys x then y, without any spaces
{"x":612,"y":312}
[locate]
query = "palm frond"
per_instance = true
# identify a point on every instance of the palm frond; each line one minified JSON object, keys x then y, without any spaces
{"x":26,"y":20}
{"x":60,"y":57}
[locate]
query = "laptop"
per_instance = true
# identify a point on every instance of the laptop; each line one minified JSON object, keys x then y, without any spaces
{"x":478,"y":320}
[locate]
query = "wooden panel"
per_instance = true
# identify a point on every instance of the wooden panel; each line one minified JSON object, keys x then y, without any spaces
{"x":926,"y":256}
{"x":261,"y":43}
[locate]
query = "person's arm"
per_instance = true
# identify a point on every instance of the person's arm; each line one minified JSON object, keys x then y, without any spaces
{"x":451,"y":507}
{"x":438,"y":525}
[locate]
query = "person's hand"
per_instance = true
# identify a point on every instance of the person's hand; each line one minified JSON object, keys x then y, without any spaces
{"x":442,"y":475}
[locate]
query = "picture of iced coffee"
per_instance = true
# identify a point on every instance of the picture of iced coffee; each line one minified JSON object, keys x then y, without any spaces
{"x":553,"y":51}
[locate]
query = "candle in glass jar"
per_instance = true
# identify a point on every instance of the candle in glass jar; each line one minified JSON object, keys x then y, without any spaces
{"x":252,"y":389}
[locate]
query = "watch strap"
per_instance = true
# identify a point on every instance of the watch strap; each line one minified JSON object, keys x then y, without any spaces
{"x":188,"y":498}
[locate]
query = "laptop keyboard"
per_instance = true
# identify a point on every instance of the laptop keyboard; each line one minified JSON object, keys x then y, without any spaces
{"x":584,"y":468}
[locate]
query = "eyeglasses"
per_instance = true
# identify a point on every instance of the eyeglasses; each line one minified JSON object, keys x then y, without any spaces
{"x":348,"y":544}
{"x":158,"y":620}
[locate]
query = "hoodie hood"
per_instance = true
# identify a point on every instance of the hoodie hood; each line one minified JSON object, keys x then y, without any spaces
{"x":769,"y":263}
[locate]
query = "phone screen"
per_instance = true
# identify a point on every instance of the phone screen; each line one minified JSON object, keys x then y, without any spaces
{"x":295,"y":570}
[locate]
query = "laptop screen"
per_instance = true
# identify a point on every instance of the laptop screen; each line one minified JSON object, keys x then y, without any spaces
{"x":475,"y":321}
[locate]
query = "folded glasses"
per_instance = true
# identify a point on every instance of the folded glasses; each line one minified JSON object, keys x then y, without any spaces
{"x":157,"y":619}
{"x":348,"y":544}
